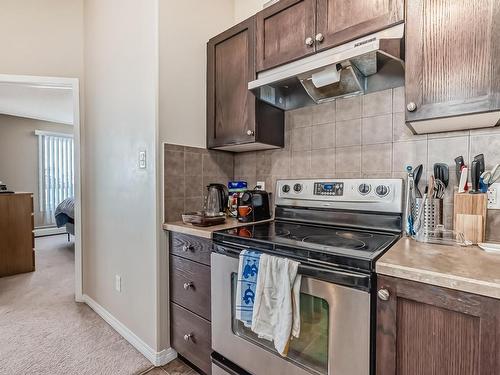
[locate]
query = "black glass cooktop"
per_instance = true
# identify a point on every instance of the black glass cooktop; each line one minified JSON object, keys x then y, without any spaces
{"x":354,"y":247}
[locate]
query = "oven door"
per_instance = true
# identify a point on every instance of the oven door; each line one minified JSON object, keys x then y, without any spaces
{"x":334,"y":337}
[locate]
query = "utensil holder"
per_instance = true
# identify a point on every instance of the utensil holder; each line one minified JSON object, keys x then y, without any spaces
{"x":432,"y":216}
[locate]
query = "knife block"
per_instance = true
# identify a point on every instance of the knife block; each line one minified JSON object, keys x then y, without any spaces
{"x":469,"y":215}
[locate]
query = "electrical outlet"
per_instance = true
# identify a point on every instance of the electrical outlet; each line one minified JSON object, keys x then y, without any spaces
{"x":493,"y":199}
{"x":261,"y":185}
{"x":142,"y":159}
{"x":118,"y":283}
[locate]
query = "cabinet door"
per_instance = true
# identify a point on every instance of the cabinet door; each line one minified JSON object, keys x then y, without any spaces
{"x":452,"y":54}
{"x":230,"y":105}
{"x":340,"y":21}
{"x":283,"y":30}
{"x":422,"y":329}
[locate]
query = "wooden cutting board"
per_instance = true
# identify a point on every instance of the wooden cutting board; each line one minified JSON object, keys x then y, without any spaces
{"x":470,"y":213}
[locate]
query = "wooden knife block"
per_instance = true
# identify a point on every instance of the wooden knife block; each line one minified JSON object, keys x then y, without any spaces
{"x":469,"y":215}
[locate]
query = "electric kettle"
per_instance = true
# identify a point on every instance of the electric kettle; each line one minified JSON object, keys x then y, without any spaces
{"x":217,"y":199}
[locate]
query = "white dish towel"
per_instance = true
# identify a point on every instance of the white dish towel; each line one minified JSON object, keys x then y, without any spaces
{"x":276,"y":310}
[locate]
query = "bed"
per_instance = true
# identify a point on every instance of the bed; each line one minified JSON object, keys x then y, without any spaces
{"x":65,"y":215}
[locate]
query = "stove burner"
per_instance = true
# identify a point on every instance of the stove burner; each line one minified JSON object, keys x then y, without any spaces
{"x":341,"y":242}
{"x":353,"y":235}
{"x":281,"y":232}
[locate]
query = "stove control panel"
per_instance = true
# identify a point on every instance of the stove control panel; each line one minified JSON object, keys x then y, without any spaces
{"x":329,"y":188}
{"x":383,"y":195}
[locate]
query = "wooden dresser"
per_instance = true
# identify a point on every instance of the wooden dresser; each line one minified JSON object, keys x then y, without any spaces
{"x":17,"y":242}
{"x":190,"y":306}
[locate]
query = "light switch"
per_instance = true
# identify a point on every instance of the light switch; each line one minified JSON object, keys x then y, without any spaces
{"x":142,"y":159}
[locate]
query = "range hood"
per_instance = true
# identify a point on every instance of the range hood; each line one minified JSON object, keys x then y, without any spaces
{"x":368,"y":64}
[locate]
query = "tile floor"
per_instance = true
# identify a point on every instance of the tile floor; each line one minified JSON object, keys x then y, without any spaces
{"x":176,"y":367}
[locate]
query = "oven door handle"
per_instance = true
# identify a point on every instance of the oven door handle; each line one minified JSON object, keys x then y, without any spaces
{"x":319,"y":270}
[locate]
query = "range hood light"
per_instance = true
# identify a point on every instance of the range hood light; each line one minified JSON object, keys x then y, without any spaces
{"x":327,"y":77}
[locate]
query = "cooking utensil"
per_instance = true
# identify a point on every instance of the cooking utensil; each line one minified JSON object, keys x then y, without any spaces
{"x":439,"y":189}
{"x":490,"y":177}
{"x":430,"y":188}
{"x":417,"y":173}
{"x":442,"y":172}
{"x":459,"y":164}
{"x":410,"y":201}
{"x":475,"y":175}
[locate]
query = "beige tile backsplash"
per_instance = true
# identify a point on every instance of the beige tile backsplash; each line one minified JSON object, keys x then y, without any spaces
{"x":366,"y":136}
{"x":187,"y":172}
{"x":362,"y":136}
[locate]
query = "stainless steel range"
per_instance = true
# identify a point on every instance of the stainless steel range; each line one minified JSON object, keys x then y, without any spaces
{"x":336,"y":229}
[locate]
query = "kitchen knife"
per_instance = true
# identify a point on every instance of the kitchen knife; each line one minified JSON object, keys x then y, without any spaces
{"x":480,"y":159}
{"x":459,"y":164}
{"x":474,"y":175}
{"x":462,"y":185}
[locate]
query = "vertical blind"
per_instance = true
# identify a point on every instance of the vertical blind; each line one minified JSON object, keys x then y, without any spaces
{"x":55,"y":171}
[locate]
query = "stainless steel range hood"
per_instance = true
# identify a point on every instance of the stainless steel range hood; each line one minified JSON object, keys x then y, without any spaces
{"x":368,"y":64}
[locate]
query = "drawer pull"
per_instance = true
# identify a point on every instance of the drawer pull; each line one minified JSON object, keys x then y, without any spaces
{"x":187,"y":248}
{"x":188,"y":285}
{"x":188,"y":336}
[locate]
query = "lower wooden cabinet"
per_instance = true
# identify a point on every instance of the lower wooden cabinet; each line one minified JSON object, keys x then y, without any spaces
{"x":191,"y":337}
{"x":423,"y":329}
{"x":190,"y":291}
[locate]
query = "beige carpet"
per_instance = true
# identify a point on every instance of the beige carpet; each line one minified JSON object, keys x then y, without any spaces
{"x":43,"y":331}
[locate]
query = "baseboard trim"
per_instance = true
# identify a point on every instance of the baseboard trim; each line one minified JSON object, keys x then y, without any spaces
{"x":156,"y":358}
{"x":51,"y":231}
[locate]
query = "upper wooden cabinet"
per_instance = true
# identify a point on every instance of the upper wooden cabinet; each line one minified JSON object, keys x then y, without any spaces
{"x":236,"y":120}
{"x":452,"y":54}
{"x":285,"y":32}
{"x":339,"y":21}
{"x":291,"y":29}
{"x":423,"y":329}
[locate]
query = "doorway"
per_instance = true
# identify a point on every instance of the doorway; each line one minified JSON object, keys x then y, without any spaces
{"x":56,"y":100}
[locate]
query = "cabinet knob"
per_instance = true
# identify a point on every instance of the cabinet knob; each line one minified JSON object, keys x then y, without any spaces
{"x":383,"y":294}
{"x":188,"y":336}
{"x":188,"y":285}
{"x":411,"y":107}
{"x":319,"y":38}
{"x":250,"y":132}
{"x":186,"y":248}
{"x":309,"y":41}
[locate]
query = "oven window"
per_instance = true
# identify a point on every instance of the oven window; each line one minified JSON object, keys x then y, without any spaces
{"x":310,"y":351}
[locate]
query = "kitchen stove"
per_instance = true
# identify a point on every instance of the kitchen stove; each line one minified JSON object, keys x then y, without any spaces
{"x":336,"y":229}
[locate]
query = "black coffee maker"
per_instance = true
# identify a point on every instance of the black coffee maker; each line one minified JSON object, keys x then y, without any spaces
{"x":254,"y":205}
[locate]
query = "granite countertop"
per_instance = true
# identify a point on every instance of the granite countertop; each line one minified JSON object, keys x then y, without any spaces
{"x":467,"y":269}
{"x":205,"y":232}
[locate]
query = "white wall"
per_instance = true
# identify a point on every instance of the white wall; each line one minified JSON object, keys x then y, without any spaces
{"x":247,"y":8}
{"x":120,"y":200}
{"x":185,"y":28}
{"x":41,"y":37}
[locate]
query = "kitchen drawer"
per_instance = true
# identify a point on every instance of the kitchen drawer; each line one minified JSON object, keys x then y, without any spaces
{"x":190,"y":285}
{"x":191,"y":247}
{"x":191,"y":337}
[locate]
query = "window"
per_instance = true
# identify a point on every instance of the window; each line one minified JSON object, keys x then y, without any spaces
{"x":55,"y":172}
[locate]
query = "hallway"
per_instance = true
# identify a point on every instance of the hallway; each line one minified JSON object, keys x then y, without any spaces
{"x":44,"y":331}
